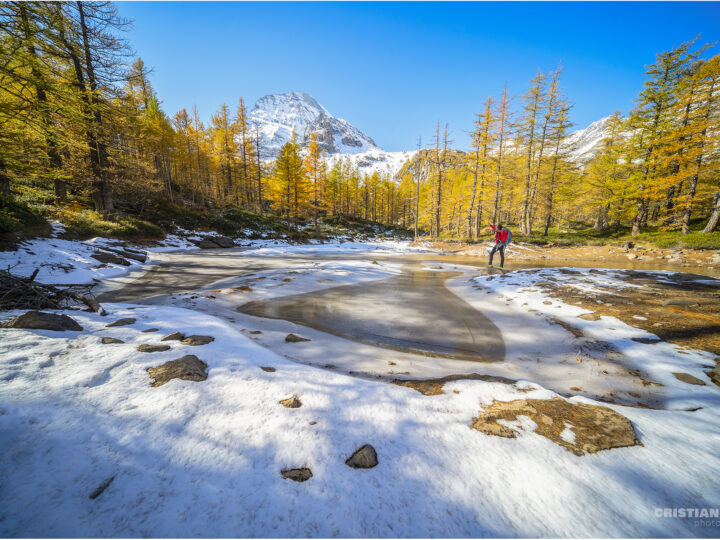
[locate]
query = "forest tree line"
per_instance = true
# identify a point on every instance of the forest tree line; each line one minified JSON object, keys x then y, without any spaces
{"x":81,"y":124}
{"x":656,"y":166}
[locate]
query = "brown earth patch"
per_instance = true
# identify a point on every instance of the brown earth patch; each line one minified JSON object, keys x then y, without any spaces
{"x":695,"y":327}
{"x":434,"y":387}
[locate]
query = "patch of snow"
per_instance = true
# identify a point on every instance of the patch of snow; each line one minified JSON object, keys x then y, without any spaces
{"x":567,"y":434}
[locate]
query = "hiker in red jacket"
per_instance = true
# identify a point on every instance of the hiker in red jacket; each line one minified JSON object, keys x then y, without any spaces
{"x":502,"y":237}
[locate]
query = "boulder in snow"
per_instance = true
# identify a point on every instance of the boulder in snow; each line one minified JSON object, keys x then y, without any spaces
{"x":175,"y":336}
{"x":135,"y":256}
{"x":214,"y":242}
{"x":111,"y":340}
{"x":714,"y":374}
{"x":292,"y":338}
{"x":146,"y":348}
{"x":206,"y":244}
{"x":109,"y":258}
{"x":121,"y":322}
{"x":197,"y":340}
{"x":39,"y":320}
{"x":364,"y":457}
{"x":689,"y":379}
{"x":297,"y":475}
{"x":578,"y":427}
{"x":187,"y":368}
{"x":291,"y":402}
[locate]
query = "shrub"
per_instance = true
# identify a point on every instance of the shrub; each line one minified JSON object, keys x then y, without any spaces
{"x":82,"y":224}
{"x":18,"y":217}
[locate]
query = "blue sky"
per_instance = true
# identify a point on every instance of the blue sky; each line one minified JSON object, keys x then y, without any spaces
{"x":395,"y":69}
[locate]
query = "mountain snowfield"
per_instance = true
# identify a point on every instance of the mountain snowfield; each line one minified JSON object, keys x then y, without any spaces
{"x":279,"y":115}
{"x":582,"y":144}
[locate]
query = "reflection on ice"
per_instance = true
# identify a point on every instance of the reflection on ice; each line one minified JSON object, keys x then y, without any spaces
{"x":412,"y":312}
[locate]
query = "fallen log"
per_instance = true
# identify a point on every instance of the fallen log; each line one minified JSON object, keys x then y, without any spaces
{"x":17,"y":292}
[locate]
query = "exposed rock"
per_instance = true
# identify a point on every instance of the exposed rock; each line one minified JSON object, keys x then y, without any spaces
{"x":715,"y":375}
{"x":102,"y":487}
{"x":146,"y":348}
{"x":632,"y":256}
{"x":255,"y":332}
{"x":214,"y":242}
{"x":646,"y":341}
{"x":111,"y":340}
{"x":292,"y":338}
{"x":590,"y":316}
{"x":128,"y":253}
{"x":206,"y":244}
{"x":223,"y":241}
{"x":109,"y":258}
{"x":687,"y":378}
{"x":243,"y":288}
{"x":187,"y":368}
{"x":364,"y":457}
{"x":121,"y":322}
{"x":150,"y":330}
{"x":297,"y":475}
{"x":291,"y":402}
{"x":268,"y":369}
{"x":197,"y":340}
{"x":135,"y":256}
{"x":39,"y":320}
{"x":628,"y":246}
{"x":592,"y":428}
{"x":175,"y":336}
{"x":680,"y":302}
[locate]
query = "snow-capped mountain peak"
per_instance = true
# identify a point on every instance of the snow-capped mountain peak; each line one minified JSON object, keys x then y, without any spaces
{"x":278,"y":115}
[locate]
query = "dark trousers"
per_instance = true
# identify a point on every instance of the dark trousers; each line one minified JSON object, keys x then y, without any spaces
{"x":500,"y":248}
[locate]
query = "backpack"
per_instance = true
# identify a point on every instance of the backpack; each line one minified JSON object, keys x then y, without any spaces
{"x":509,"y":236}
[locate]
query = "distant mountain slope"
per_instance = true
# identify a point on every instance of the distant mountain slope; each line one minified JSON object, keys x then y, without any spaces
{"x":583,"y":144}
{"x":278,"y":115}
{"x":380,"y":161}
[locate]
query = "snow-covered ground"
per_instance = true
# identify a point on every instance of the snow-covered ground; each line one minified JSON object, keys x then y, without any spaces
{"x":205,"y":458}
{"x":70,"y":262}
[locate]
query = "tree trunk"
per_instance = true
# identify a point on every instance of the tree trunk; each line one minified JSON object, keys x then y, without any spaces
{"x":102,"y":193}
{"x":715,"y":215}
{"x":503,"y":113}
{"x":259,"y":170}
{"x":4,"y":178}
{"x":640,"y":216}
{"x":55,"y":163}
{"x":472,"y":193}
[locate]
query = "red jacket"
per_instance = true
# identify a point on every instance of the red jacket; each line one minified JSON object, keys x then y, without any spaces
{"x":501,"y":235}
